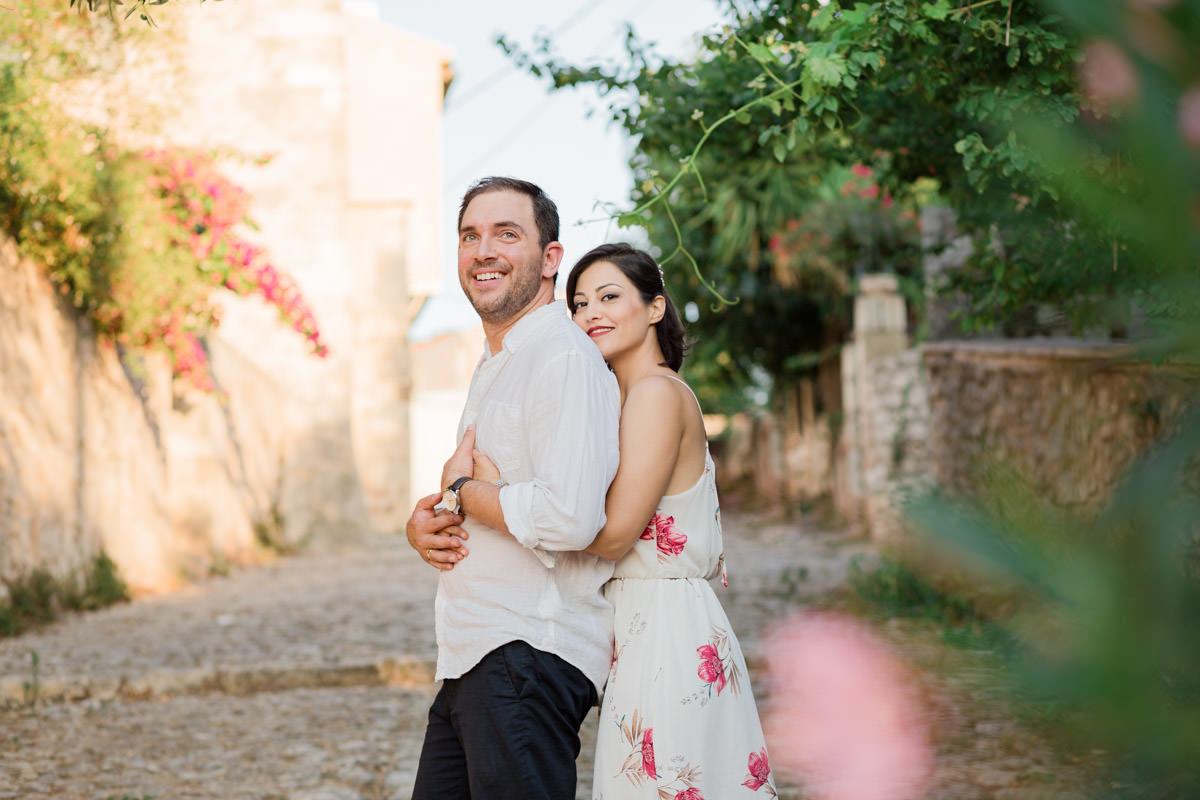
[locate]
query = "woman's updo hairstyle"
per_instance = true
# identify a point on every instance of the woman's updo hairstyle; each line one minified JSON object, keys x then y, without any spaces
{"x":643,"y":272}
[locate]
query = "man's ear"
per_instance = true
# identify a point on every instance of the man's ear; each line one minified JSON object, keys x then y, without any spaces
{"x":551,"y":257}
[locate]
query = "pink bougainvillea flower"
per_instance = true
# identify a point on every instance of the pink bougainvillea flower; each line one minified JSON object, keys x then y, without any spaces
{"x":869,"y":192}
{"x":711,"y":669}
{"x":648,"y":754}
{"x":845,"y":713}
{"x":760,"y":770}
{"x":862,"y":170}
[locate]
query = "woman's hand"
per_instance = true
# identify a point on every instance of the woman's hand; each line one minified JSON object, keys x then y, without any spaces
{"x":484,"y":469}
{"x":459,"y":464}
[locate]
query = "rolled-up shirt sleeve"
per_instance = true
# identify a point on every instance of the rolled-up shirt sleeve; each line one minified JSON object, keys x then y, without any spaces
{"x":573,"y":424}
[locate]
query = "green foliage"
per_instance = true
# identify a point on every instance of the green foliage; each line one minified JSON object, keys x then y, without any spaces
{"x":102,"y":587}
{"x":738,"y":141}
{"x":896,"y":590}
{"x":136,"y":240}
{"x":38,"y":597}
{"x":113,"y":8}
{"x":1113,"y":600}
{"x":1110,"y":631}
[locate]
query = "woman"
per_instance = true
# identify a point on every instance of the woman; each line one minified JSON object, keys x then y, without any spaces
{"x":678,"y":718}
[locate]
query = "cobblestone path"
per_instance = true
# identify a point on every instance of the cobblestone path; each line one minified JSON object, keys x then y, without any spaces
{"x":310,"y":678}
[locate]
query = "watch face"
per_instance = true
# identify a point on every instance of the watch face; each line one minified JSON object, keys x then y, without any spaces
{"x":450,"y":501}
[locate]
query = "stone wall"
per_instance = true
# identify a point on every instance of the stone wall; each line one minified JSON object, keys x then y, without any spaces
{"x":83,"y":449}
{"x":773,"y":459}
{"x":1069,"y":416}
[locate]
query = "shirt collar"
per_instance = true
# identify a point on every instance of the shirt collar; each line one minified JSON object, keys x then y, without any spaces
{"x":530,"y":325}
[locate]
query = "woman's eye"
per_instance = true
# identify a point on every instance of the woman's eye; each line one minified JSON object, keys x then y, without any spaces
{"x":609,"y":297}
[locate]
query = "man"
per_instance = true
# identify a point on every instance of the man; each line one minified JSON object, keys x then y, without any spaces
{"x":524,"y":635}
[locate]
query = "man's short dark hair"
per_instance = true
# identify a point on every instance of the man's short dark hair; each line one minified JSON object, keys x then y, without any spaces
{"x":545,"y":213}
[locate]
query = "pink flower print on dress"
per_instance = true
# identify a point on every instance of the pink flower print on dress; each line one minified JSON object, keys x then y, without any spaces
{"x":690,"y":794}
{"x":711,"y":669}
{"x":760,"y":772}
{"x":648,"y":754}
{"x":661,"y":530}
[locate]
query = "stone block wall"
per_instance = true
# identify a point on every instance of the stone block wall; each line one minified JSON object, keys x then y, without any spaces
{"x":774,"y":461}
{"x":83,"y":449}
{"x":1069,"y":416}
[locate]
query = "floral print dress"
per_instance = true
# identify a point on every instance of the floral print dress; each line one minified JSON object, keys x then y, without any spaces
{"x":677,"y":720}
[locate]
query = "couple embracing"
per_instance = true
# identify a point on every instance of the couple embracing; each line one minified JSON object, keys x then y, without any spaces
{"x":577,"y":529}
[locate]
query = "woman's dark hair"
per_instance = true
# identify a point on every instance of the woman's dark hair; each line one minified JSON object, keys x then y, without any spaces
{"x":643,"y":272}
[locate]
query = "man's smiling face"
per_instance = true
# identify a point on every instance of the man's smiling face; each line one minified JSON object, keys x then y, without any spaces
{"x":499,"y":255}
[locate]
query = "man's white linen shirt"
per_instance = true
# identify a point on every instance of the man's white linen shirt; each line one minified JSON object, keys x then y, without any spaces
{"x":546,"y":411}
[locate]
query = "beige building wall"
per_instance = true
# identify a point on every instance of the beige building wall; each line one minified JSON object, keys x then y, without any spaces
{"x":350,"y":109}
{"x":172,"y":482}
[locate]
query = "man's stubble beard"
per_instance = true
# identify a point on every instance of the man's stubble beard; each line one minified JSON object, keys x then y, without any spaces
{"x":526,"y":280}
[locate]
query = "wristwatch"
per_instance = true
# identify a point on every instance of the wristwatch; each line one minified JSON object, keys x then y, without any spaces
{"x":450,"y":499}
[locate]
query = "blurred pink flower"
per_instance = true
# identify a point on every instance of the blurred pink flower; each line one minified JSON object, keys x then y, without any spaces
{"x":1189,"y":116}
{"x":844,"y":713}
{"x":648,"y":754}
{"x":862,"y":170}
{"x":1107,"y":75}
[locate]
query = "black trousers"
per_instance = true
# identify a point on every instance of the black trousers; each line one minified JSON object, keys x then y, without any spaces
{"x":509,"y":728}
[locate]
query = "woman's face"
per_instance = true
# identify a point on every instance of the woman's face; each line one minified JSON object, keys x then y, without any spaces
{"x":609,"y":309}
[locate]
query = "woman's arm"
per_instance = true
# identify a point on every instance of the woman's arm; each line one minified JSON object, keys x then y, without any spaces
{"x":651,"y":433}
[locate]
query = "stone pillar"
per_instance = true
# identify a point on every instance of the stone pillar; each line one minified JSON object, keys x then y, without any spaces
{"x":880,"y":317}
{"x":880,"y":331}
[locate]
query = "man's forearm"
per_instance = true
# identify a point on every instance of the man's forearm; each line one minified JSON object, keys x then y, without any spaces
{"x":481,"y":501}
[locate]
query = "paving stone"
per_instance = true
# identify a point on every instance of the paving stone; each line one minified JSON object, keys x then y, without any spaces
{"x":311,"y":678}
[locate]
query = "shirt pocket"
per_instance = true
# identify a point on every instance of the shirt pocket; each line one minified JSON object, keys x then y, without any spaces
{"x":498,"y":436}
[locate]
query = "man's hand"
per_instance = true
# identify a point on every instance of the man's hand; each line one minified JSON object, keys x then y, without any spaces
{"x":461,"y":463}
{"x":436,"y":537}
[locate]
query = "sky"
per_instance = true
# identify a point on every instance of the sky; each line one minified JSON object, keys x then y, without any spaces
{"x":500,"y":120}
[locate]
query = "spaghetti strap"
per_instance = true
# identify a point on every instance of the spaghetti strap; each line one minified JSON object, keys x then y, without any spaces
{"x":690,"y":391}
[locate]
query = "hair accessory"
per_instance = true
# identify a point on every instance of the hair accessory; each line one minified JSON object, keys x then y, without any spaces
{"x":662,"y":276}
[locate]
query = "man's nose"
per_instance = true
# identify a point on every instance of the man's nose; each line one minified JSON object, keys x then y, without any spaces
{"x":486,"y":248}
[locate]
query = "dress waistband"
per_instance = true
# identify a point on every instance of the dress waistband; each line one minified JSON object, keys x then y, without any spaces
{"x":658,"y":578}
